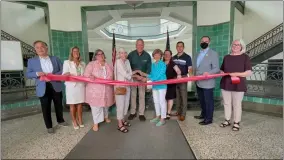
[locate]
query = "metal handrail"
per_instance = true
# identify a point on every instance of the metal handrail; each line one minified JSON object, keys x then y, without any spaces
{"x":15,"y":87}
{"x":28,"y":50}
{"x":265,"y":34}
{"x":266,"y":80}
{"x":265,"y":42}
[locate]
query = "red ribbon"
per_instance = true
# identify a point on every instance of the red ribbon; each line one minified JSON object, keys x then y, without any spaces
{"x":53,"y":77}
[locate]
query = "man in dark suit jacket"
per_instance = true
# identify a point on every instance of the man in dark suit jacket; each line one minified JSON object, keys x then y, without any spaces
{"x":47,"y":91}
{"x":206,"y":62}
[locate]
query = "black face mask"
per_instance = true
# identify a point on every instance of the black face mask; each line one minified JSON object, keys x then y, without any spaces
{"x":204,"y":45}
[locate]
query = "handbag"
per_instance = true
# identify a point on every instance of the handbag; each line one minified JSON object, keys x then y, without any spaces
{"x":119,"y":90}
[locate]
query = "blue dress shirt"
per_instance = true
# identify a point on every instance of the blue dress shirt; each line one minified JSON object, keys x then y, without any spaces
{"x":201,"y":55}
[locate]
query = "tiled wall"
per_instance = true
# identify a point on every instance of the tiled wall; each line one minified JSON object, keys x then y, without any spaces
{"x":62,"y":41}
{"x":27,"y":103}
{"x":219,"y":35}
{"x":263,"y":100}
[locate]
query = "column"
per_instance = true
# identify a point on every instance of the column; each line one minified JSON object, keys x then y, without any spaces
{"x":214,"y":20}
{"x":66,"y":29}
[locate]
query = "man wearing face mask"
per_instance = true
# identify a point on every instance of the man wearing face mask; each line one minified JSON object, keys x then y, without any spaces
{"x":207,"y":62}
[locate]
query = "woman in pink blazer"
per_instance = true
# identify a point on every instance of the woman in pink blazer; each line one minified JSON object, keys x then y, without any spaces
{"x":99,"y":96}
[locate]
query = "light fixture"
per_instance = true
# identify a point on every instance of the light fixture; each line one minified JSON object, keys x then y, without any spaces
{"x":134,"y":4}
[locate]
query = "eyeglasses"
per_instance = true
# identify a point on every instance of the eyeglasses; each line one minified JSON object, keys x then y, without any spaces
{"x":235,"y":45}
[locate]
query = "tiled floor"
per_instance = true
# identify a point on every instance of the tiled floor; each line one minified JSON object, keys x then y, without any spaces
{"x":261,"y":137}
{"x":26,"y":138}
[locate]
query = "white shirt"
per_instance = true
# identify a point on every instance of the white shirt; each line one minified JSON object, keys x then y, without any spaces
{"x":104,"y":71}
{"x":46,"y":64}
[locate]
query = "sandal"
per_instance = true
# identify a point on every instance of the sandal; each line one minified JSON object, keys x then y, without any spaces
{"x":125,"y":123}
{"x":225,"y":124}
{"x":122,"y":129}
{"x":236,"y":126}
{"x":168,"y":116}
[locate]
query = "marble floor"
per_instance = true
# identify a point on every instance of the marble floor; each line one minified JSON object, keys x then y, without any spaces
{"x":261,"y":137}
{"x":27,"y":138}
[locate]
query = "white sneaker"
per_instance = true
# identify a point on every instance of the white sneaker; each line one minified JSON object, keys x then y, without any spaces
{"x":82,"y":126}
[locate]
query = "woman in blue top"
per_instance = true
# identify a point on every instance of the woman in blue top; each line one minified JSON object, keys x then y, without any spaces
{"x":158,"y":73}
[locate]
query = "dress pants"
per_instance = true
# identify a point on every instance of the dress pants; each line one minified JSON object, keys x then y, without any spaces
{"x":141,"y":91}
{"x":233,"y":101}
{"x":51,"y":94}
{"x":206,"y":99}
{"x":181,"y":99}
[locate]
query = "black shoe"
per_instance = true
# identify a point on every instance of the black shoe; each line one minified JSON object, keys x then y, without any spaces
{"x":168,"y":117}
{"x":142,"y":118}
{"x":131,"y":116}
{"x":198,"y":117}
{"x":205,"y":122}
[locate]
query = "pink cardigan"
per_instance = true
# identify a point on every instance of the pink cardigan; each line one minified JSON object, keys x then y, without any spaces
{"x":99,"y":95}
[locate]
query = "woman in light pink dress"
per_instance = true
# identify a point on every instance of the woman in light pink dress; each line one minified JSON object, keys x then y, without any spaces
{"x":99,"y":96}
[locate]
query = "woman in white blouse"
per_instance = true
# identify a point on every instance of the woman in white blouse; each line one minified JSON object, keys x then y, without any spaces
{"x":122,"y":72}
{"x":75,"y":91}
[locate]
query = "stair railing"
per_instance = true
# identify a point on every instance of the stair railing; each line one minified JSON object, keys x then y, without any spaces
{"x":14,"y":85}
{"x":265,"y":42}
{"x":28,"y":50}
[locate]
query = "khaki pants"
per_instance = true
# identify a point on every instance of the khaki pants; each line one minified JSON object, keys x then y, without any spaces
{"x":181,"y":100}
{"x":232,"y":100}
{"x":141,"y":90}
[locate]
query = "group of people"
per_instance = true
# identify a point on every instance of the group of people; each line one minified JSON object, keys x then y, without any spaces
{"x":137,"y":66}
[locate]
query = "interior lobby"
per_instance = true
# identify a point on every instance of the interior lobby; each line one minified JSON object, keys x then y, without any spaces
{"x":91,"y":25}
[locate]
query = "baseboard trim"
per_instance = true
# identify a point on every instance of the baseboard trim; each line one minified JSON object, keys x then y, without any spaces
{"x":265,"y":109}
{"x":19,"y":112}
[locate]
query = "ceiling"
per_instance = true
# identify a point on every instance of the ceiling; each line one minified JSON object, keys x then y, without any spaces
{"x":98,"y":20}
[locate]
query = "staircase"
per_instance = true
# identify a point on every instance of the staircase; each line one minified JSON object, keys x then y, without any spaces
{"x":28,"y":50}
{"x":15,"y":86}
{"x":266,"y":46}
{"x":267,"y":78}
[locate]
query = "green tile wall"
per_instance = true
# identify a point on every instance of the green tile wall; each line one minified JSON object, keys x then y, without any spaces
{"x":21,"y":104}
{"x":263,"y":100}
{"x":62,"y":41}
{"x":219,"y":35}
